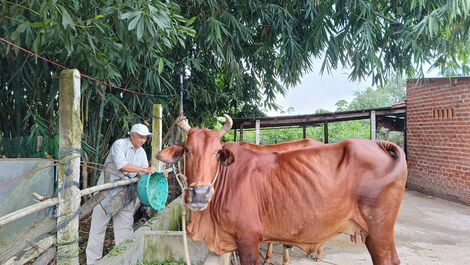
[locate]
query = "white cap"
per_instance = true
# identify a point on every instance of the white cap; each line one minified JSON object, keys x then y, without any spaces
{"x":141,"y":129}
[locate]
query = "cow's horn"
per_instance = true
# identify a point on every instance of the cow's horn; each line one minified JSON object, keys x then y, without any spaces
{"x":183,"y":123}
{"x":227,"y":125}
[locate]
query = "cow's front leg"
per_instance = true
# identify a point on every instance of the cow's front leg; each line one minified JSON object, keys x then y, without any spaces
{"x":248,"y":249}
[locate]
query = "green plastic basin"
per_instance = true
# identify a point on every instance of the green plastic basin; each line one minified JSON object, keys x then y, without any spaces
{"x":152,"y":190}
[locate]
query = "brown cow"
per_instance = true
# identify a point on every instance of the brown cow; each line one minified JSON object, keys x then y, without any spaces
{"x":290,"y":145}
{"x":303,"y":197}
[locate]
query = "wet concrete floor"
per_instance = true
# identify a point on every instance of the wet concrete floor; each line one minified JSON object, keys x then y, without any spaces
{"x":428,"y":231}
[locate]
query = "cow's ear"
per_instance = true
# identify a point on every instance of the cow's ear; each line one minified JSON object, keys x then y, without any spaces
{"x":226,"y":157}
{"x":171,"y":154}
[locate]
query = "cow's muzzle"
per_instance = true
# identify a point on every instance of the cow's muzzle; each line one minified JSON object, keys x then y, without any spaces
{"x":200,"y":196}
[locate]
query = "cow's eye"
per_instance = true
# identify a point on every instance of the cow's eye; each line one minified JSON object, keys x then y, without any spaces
{"x":186,"y":149}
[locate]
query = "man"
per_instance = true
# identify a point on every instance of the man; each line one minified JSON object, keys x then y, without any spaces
{"x":126,"y":159}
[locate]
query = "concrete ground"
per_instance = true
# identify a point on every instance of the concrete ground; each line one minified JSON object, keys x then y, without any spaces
{"x":428,"y":231}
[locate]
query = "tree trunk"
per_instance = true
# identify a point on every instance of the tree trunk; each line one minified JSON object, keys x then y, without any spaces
{"x":98,"y":139}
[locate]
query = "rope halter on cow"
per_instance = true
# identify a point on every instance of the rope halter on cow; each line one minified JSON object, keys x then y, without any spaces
{"x":182,"y":123}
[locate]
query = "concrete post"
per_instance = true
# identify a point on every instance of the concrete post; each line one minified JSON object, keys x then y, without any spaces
{"x":70,"y":136}
{"x":157,"y":135}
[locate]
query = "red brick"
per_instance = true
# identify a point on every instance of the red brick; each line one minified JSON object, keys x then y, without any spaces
{"x":438,"y":146}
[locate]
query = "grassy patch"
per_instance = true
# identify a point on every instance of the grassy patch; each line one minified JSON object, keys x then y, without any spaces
{"x":116,"y":250}
{"x":162,"y":263}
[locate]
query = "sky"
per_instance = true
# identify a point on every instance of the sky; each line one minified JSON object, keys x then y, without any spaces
{"x":319,"y":92}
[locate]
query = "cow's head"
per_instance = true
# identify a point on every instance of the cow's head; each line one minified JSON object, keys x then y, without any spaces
{"x":204,"y":154}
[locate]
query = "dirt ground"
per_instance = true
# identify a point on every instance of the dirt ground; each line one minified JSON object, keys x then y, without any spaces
{"x":428,"y":231}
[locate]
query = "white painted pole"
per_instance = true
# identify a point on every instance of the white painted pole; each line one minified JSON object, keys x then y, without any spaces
{"x":372,"y":125}
{"x":257,"y":132}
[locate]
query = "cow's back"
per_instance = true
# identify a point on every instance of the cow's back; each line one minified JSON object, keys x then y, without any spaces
{"x":290,"y":145}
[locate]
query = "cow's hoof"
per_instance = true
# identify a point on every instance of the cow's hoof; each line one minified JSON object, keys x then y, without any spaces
{"x":315,"y":258}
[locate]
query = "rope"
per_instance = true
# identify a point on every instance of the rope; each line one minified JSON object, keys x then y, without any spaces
{"x":69,"y":151}
{"x":26,"y":174}
{"x":169,"y":130}
{"x":182,"y":181}
{"x":216,"y":175}
{"x":184,"y":188}
{"x":91,"y":78}
{"x":57,"y":163}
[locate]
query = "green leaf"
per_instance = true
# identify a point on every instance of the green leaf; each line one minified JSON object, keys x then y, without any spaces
{"x":90,"y":41}
{"x":160,"y":66}
{"x":129,"y":15}
{"x":66,"y":18}
{"x":36,"y":43}
{"x":190,"y":21}
{"x":140,"y":29}
{"x":22,"y":27}
{"x":39,"y":24}
{"x":15,"y":36}
{"x":134,"y":21}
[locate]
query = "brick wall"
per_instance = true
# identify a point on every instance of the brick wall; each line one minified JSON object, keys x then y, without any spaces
{"x":438,"y":137}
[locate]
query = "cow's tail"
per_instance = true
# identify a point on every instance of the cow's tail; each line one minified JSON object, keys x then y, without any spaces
{"x":396,"y":176}
{"x":399,"y":155}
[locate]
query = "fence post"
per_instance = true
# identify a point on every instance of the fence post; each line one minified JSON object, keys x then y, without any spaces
{"x":157,"y":134}
{"x":70,"y":135}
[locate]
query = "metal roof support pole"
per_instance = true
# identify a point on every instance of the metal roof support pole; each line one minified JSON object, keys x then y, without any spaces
{"x":325,"y":132}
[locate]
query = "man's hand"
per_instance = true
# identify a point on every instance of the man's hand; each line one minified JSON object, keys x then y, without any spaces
{"x":150,"y":170}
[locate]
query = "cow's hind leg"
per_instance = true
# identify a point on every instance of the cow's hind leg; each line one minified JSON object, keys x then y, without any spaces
{"x":285,"y":254}
{"x":379,"y":241}
{"x":382,"y":252}
{"x":269,"y":254}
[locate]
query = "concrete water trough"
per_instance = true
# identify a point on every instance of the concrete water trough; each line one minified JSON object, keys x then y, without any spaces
{"x":160,"y":240}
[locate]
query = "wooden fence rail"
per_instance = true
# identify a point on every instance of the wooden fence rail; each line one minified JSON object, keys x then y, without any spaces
{"x":53,"y":201}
